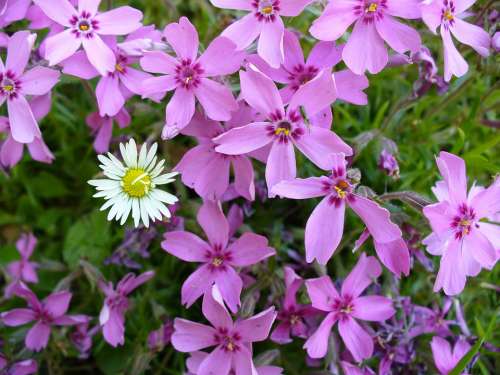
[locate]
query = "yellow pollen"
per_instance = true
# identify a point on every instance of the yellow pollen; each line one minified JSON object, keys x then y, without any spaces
{"x":267,"y":10}
{"x":119,"y":68}
{"x":230,"y":346}
{"x":83,"y":27}
{"x":188,"y":79}
{"x":136,"y":182}
{"x":8,"y":88}
{"x":282,"y":130}
{"x":347,"y":309}
{"x":294,"y":319}
{"x":217,"y":262}
{"x":372,"y":8}
{"x":448,"y":15}
{"x":464,"y":223}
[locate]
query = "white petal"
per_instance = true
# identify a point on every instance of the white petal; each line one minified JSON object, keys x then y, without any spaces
{"x":163,"y":196}
{"x":126,"y":211}
{"x":151,"y":154}
{"x":136,"y":212}
{"x":142,"y":156}
{"x":144,"y":213}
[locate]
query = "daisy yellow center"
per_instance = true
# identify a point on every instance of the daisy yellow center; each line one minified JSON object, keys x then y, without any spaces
{"x":136,"y":182}
{"x":372,"y":7}
{"x":448,"y":15}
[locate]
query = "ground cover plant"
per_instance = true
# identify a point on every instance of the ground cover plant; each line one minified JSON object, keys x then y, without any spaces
{"x":249,"y":187}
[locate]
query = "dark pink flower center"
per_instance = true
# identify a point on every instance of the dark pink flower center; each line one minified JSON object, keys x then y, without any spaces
{"x":43,"y":316}
{"x":448,"y":13}
{"x":229,"y":341}
{"x":464,"y":221}
{"x":117,"y":302}
{"x":83,"y":26}
{"x":217,"y":258}
{"x":187,"y":74}
{"x":339,"y":189}
{"x":370,"y":10}
{"x":266,"y":10}
{"x":282,"y":129}
{"x":343,"y":306}
{"x":302,"y":74}
{"x":9,"y":85}
{"x":121,"y":66}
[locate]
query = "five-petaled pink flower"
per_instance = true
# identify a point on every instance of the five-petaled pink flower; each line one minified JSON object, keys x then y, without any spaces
{"x":263,"y":21}
{"x":464,"y":242}
{"x":446,"y":359}
{"x":85,"y":27}
{"x":49,"y":312}
{"x":232,"y":340}
{"x":374,"y":24}
{"x":23,"y":269}
{"x":325,"y":226}
{"x":292,"y":315}
{"x":346,"y":307}
{"x":282,"y":128}
{"x":15,"y":84}
{"x":112,"y":316}
{"x":219,"y":257}
{"x":448,"y":16}
{"x":189,"y":76}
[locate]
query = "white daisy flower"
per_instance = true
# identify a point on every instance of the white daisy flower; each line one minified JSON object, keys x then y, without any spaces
{"x":131,"y":186}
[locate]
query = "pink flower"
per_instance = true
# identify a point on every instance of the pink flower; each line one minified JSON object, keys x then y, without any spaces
{"x":388,"y":163}
{"x":23,"y":269}
{"x":374,"y":24}
{"x":219,"y":257}
{"x":448,"y":14}
{"x":446,"y":359}
{"x":325,"y":226}
{"x":346,"y":307}
{"x":292,"y":315}
{"x":464,"y":242}
{"x":11,"y":151}
{"x":26,"y":367}
{"x":232,"y":340}
{"x":112,"y":316}
{"x":311,"y":80}
{"x":102,"y":128}
{"x":264,"y":21}
{"x":15,"y":84}
{"x":189,"y":76}
{"x":350,"y":369}
{"x":85,"y":27}
{"x":49,"y":312}
{"x":195,"y":360}
{"x":12,"y":10}
{"x":283,"y":129}
{"x":206,"y":170}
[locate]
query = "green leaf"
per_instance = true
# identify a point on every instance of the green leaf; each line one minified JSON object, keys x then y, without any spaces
{"x":88,"y":239}
{"x":462,"y":364}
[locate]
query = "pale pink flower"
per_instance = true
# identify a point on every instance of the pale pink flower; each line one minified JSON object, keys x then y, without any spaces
{"x":446,"y":359}
{"x":102,"y":128}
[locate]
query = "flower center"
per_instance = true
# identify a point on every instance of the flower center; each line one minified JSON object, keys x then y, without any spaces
{"x":448,"y":15}
{"x":342,"y":188}
{"x":266,"y":10}
{"x":188,"y":74}
{"x":136,"y":182}
{"x":120,"y":68}
{"x":217,"y":261}
{"x":464,"y":221}
{"x":83,"y":25}
{"x":283,"y":128}
{"x":8,"y":84}
{"x":372,"y":8}
{"x":294,"y":319}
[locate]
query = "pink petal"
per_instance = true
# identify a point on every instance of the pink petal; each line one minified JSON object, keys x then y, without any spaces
{"x":454,"y":63}
{"x":233,"y":4}
{"x":322,"y":293}
{"x":183,"y":38}
{"x":373,"y":308}
{"x":409,"y":9}
{"x":492,"y":233}
{"x":17,"y":317}
{"x":281,"y":334}
{"x":99,"y":54}
{"x":220,"y":58}
{"x":335,"y":20}
{"x":109,"y":96}
{"x":441,"y":351}
{"x":452,"y":168}
{"x":242,"y":362}
{"x":57,"y":304}
{"x":160,"y":84}
{"x":257,"y":327}
{"x":431,"y":14}
{"x":249,"y":249}
{"x":197,"y":284}
{"x":37,"y":337}
{"x":23,"y":125}
{"x":325,"y":55}
{"x":395,"y":256}
{"x":215,"y":311}
{"x":461,"y":348}
{"x":133,"y":80}
{"x":357,"y":340}
{"x":377,"y":219}
{"x":292,"y":8}
{"x":472,"y":35}
{"x":193,"y":162}
{"x":59,"y":11}
{"x":190,"y":336}
{"x":243,"y":177}
{"x":202,"y":127}
{"x":244,"y":31}
{"x":365,"y":49}
{"x":119,"y":21}
{"x":230,"y":286}
{"x":350,"y":87}
{"x":292,"y":283}
{"x":324,"y":231}
{"x":299,"y":188}
{"x":29,"y":272}
{"x":26,"y":244}
{"x":440,"y":216}
{"x":61,"y":46}
{"x":451,"y":276}
{"x":158,"y":62}
{"x":362,"y":275}
{"x":487,"y":202}
{"x":280,"y":164}
{"x":18,"y":52}
{"x":113,"y":330}
{"x":242,"y":140}
{"x":280,"y":75}
{"x":471,"y":266}
{"x":270,"y":45}
{"x":214,"y":223}
{"x":398,"y":36}
{"x":213,"y":178}
{"x":260,"y":92}
{"x":292,"y":50}
{"x":90,"y":6}
{"x":217,"y":362}
{"x":11,"y":152}
{"x":79,"y":65}
{"x":480,"y":248}
{"x":216,"y":99}
{"x":317,"y":344}
{"x":463,"y":5}
{"x":185,"y":246}
{"x":180,"y":109}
